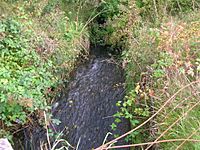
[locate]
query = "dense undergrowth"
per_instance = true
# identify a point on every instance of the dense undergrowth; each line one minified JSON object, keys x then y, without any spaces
{"x":167,"y":55}
{"x":39,"y":49}
{"x":159,"y":47}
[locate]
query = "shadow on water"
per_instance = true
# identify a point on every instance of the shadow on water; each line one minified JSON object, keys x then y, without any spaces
{"x":87,"y":106}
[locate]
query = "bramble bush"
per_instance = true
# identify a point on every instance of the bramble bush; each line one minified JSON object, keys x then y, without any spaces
{"x":24,"y":76}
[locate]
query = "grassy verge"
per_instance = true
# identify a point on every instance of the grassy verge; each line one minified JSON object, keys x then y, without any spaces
{"x":164,"y":59}
{"x":179,"y":119}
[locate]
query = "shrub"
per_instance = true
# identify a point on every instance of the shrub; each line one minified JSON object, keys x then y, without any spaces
{"x":24,"y":76}
{"x":114,"y":25}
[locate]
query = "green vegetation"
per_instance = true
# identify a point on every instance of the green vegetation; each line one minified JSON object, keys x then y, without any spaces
{"x":161,"y":55}
{"x":37,"y":53}
{"x":163,"y":59}
{"x":179,"y":69}
{"x":40,"y":42}
{"x":24,"y":76}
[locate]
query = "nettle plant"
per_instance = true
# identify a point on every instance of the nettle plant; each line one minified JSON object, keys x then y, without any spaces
{"x":24,"y":76}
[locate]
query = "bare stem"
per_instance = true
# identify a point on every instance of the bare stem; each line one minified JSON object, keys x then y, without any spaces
{"x":161,"y":141}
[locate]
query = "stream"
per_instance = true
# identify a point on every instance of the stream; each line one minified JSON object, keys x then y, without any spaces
{"x":86,"y":107}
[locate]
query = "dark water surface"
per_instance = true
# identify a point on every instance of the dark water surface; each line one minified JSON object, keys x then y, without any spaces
{"x":86,"y":107}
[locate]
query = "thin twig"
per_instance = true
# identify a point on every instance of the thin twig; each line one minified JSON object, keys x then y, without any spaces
{"x":88,"y":22}
{"x":58,"y":140}
{"x":187,"y":138}
{"x":185,"y":114}
{"x":77,"y":146}
{"x":46,"y":126}
{"x":109,"y":133}
{"x":161,"y":141}
{"x":155,"y":7}
{"x":180,"y":103}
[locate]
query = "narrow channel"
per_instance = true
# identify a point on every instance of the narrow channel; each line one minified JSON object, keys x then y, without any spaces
{"x":86,"y":107}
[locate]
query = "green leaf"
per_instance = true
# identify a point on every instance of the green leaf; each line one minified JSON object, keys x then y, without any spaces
{"x":117,"y":120}
{"x":113,"y":126}
{"x":134,"y":122}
